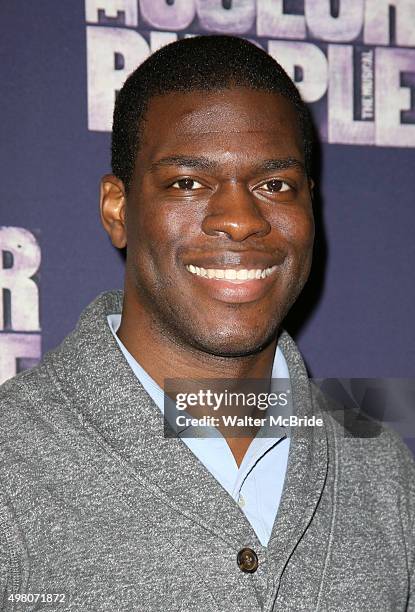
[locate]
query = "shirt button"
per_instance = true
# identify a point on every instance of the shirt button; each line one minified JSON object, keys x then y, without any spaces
{"x":241,"y":501}
{"x":247,"y":560}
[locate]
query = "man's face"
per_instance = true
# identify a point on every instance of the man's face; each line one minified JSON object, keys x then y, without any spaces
{"x":219,"y":191}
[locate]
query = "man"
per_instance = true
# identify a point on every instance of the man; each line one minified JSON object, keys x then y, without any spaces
{"x":211,"y":196}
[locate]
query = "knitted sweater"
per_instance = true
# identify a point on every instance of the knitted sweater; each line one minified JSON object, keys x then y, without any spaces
{"x":98,"y":506}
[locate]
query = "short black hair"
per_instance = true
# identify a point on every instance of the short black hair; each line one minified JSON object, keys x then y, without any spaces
{"x":201,"y":63}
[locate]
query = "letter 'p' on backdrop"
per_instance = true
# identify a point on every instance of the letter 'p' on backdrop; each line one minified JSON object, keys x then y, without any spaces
{"x":354,"y":64}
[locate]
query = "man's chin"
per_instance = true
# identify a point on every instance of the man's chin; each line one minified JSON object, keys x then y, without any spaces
{"x":233,"y":345}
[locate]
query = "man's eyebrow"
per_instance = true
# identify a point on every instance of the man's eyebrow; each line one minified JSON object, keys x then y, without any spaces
{"x":204,"y":163}
{"x":200,"y":163}
{"x":280,"y":164}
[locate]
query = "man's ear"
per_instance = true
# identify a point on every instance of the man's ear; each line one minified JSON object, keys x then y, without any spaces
{"x":113,"y":208}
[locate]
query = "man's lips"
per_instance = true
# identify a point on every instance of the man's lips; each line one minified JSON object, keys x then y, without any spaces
{"x":236,"y":284}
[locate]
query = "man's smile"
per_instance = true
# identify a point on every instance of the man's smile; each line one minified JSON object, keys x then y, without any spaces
{"x":234,"y":285}
{"x":232,"y":274}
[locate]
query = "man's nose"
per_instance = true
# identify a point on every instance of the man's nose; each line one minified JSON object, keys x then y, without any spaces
{"x":234,"y":212}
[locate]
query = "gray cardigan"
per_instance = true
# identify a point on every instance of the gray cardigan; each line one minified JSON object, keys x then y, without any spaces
{"x":97,"y":505}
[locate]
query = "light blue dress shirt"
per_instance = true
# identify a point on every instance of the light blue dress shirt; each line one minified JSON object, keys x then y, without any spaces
{"x":257,"y":484}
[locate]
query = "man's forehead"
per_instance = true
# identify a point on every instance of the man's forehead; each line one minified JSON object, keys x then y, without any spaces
{"x":244,"y":122}
{"x":231,"y":110}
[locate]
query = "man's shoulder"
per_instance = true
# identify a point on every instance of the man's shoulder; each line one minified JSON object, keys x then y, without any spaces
{"x":26,"y":385}
{"x":25,"y":398}
{"x":369,"y":448}
{"x":43,"y":400}
{"x":42,"y":382}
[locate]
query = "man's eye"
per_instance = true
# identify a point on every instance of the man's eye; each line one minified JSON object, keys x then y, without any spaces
{"x":187,"y":184}
{"x":275,"y":186}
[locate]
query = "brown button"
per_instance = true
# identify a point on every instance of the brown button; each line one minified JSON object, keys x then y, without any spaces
{"x":247,"y":560}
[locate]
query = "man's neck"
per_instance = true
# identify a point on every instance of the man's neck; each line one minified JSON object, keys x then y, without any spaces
{"x":164,"y":358}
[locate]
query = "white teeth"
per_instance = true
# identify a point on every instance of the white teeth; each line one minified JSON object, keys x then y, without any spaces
{"x":231,"y":274}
